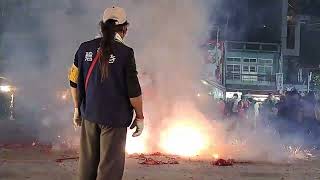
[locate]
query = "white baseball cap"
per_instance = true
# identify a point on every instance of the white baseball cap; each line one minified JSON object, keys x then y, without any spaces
{"x":116,"y":13}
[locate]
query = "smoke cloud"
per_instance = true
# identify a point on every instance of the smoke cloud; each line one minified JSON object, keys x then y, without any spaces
{"x":166,"y":35}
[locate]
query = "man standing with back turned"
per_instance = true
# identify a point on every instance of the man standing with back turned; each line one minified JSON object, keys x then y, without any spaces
{"x":106,"y":93}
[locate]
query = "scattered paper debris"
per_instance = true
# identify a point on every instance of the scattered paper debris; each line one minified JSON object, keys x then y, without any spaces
{"x":222,"y":162}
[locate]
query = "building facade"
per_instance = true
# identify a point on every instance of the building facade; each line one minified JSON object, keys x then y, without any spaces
{"x":300,"y":37}
{"x":251,"y":67}
{"x":271,"y":53}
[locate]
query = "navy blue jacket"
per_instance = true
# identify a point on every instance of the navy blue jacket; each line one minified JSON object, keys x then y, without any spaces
{"x":106,"y":102}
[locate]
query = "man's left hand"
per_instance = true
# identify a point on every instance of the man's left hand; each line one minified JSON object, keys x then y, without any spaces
{"x":76,"y":118}
{"x":139,"y":125}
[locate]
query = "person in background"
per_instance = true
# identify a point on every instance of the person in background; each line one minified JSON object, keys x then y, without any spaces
{"x":234,"y":102}
{"x":282,"y":109}
{"x":105,"y":86}
{"x":221,"y":106}
{"x":233,"y":109}
{"x":268,"y":108}
{"x":243,"y":107}
{"x":282,"y":115}
{"x":270,"y":102}
{"x":253,"y":112}
{"x":257,"y":110}
{"x":294,"y":115}
{"x":309,"y":115}
{"x":299,"y":106}
{"x":228,"y":108}
{"x":317,"y":110}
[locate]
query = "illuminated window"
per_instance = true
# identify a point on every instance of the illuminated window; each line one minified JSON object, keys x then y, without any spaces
{"x":265,"y":69}
{"x":249,"y":78}
{"x":233,"y":68}
{"x":233,"y":72}
{"x":250,"y":60}
{"x":265,"y":61}
{"x":234,"y":59}
{"x":249,"y":69}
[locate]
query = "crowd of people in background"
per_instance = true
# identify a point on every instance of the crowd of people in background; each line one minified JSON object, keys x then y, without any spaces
{"x":290,"y":112}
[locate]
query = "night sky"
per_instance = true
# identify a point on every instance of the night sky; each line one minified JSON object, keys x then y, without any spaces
{"x":250,"y":20}
{"x":253,"y":20}
{"x":310,"y":47}
{"x":310,"y":7}
{"x":260,"y":21}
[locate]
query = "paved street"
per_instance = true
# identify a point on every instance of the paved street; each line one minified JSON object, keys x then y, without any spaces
{"x":35,"y":164}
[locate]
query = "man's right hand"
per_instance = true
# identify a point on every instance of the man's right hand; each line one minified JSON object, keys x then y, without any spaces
{"x":76,"y":118}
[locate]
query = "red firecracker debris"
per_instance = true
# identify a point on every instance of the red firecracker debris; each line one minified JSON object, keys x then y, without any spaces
{"x":156,"y":154}
{"x":173,"y":161}
{"x":66,"y":158}
{"x":154,"y":159}
{"x":141,"y":156}
{"x":232,"y":161}
{"x":44,"y":148}
{"x":222,"y":162}
{"x":31,"y":145}
{"x":12,"y":146}
{"x":150,"y":161}
{"x":137,"y":156}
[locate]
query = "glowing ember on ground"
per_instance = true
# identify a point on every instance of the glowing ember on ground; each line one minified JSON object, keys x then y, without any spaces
{"x":216,"y":156}
{"x":186,"y":133}
{"x":136,"y":144}
{"x":184,"y":139}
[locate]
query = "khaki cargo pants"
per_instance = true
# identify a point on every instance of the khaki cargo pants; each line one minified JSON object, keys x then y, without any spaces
{"x":102,"y":152}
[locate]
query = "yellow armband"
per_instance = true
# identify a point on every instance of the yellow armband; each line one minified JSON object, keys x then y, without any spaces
{"x":74,"y":74}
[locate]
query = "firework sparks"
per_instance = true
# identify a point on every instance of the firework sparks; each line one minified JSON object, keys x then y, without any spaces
{"x":297,"y":152}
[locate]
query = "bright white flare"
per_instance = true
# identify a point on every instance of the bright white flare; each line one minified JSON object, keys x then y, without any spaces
{"x":136,"y":144}
{"x":5,"y":88}
{"x":185,"y":140}
{"x":216,"y":156}
{"x":185,"y":133}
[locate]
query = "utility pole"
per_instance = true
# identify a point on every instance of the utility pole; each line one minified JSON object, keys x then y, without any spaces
{"x":309,"y":81}
{"x":116,"y":2}
{"x":217,"y":40}
{"x":225,"y":51}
